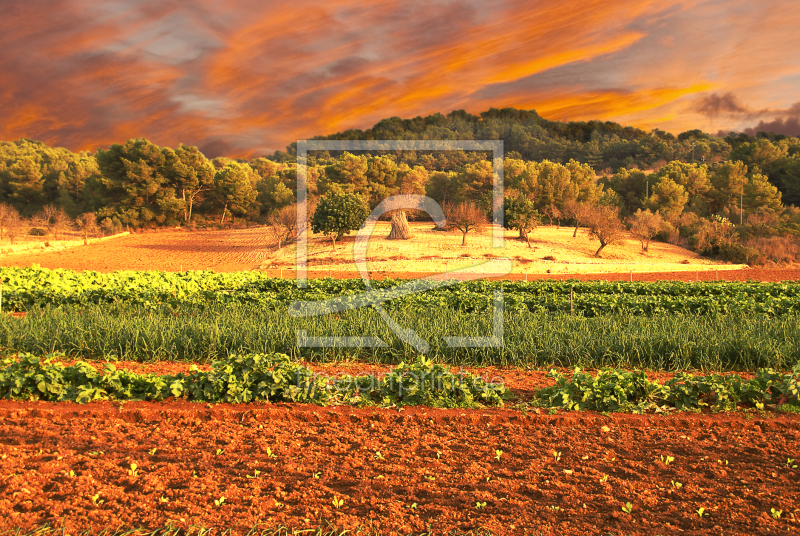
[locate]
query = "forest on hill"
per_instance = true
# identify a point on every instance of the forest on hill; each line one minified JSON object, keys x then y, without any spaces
{"x":735,"y":196}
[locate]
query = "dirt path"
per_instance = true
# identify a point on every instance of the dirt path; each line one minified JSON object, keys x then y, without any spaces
{"x":400,"y":471}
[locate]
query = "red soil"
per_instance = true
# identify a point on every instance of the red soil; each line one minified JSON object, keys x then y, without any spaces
{"x":442,"y":461}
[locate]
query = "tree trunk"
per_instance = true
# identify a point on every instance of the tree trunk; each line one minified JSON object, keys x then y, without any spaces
{"x":224,"y":210}
{"x":400,"y":229}
{"x":576,"y":231}
{"x":602,"y":245}
{"x":333,"y":237}
{"x":464,"y":238}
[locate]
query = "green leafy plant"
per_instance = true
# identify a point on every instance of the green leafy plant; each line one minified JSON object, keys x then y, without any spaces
{"x":378,"y":455}
{"x":557,"y":456}
{"x":480,"y":505}
{"x":701,"y":512}
{"x":604,"y":478}
{"x":255,"y":474}
{"x":315,"y":475}
{"x":790,"y":463}
{"x":96,"y":500}
{"x":218,"y":502}
{"x":776,"y":514}
{"x":676,"y":484}
{"x":337,"y":502}
{"x":219,"y":451}
{"x":271,"y":454}
{"x":497,"y":454}
{"x":667,"y":460}
{"x":163,"y":499}
{"x":133,"y":471}
{"x":152,"y":452}
{"x":627,"y":508}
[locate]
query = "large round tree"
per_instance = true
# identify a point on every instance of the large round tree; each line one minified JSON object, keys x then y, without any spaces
{"x":337,"y":214}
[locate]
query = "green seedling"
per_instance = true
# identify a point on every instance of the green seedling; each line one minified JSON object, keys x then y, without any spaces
{"x":133,"y":471}
{"x":790,"y":463}
{"x":194,"y":474}
{"x":668,"y":460}
{"x":701,"y":512}
{"x":413,"y":506}
{"x":256,"y":472}
{"x":721,"y":462}
{"x":431,"y":478}
{"x":219,"y":451}
{"x":676,"y":484}
{"x":379,"y":477}
{"x":337,"y":502}
{"x":219,"y":502}
{"x":271,"y":454}
{"x":96,"y":500}
{"x":438,"y":455}
{"x":315,"y":475}
{"x":488,"y":478}
{"x":556,"y":508}
{"x":627,"y":508}
{"x":497,"y":454}
{"x":96,"y":453}
{"x":557,"y":456}
{"x":71,"y":473}
{"x":378,"y":455}
{"x":480,"y":505}
{"x":604,"y":478}
{"x":152,"y":452}
{"x":776,"y":514}
{"x":163,"y":499}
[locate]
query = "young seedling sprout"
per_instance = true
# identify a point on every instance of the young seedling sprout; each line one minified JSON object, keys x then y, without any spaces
{"x":219,"y":502}
{"x":480,"y":505}
{"x":627,"y":508}
{"x":557,"y":456}
{"x":497,"y":454}
{"x":776,"y":514}
{"x":668,"y":460}
{"x":133,"y":471}
{"x":270,"y":454}
{"x":701,"y":512}
{"x":676,"y":484}
{"x":790,"y":463}
{"x":337,"y":502}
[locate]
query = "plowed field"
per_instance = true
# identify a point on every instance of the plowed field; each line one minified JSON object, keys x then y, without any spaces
{"x":409,"y":471}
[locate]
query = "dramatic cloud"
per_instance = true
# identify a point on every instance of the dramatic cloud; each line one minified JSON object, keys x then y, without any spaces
{"x":247,"y":77}
{"x":788,"y":123}
{"x":715,"y":104}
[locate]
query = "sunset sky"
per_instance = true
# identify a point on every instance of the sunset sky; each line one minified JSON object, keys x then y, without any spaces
{"x":247,"y":77}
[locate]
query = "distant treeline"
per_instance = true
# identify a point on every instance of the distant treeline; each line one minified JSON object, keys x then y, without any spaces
{"x":694,"y":176}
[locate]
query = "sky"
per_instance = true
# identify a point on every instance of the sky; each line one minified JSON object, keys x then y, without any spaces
{"x":243,"y":78}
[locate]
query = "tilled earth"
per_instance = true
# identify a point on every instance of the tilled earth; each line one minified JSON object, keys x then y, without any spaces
{"x":402,"y":471}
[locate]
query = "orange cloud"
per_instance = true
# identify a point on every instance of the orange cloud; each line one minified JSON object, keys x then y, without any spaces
{"x":251,"y":77}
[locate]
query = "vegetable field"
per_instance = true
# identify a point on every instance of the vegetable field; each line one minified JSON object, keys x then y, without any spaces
{"x":187,"y":406}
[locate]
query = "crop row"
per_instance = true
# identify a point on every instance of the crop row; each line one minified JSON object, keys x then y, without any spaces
{"x":275,"y":377}
{"x":25,"y":288}
{"x":541,"y":339}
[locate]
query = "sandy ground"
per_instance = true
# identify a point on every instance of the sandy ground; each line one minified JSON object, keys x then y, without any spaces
{"x":553,"y":251}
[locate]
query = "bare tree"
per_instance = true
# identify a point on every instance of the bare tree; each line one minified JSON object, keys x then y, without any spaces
{"x":645,"y":225}
{"x":61,"y":223}
{"x":87,"y":223}
{"x":465,"y":217}
{"x":6,"y":212}
{"x":283,"y":224}
{"x":553,"y":213}
{"x":577,"y":211}
{"x":54,"y":219}
{"x":604,"y":225}
{"x":14,"y":224}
